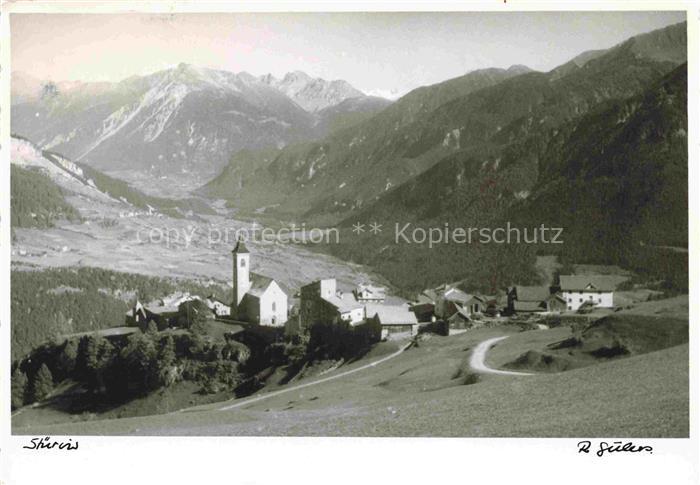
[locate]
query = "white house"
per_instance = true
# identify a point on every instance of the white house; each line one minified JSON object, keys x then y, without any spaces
{"x":257,"y":299}
{"x":579,"y":289}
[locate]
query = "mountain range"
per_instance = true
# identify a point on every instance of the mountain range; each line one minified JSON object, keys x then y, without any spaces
{"x":494,"y":118}
{"x":597,"y":145}
{"x":181,"y":121}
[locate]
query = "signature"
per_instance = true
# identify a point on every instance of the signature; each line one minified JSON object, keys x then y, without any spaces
{"x":47,"y":443}
{"x":616,"y":447}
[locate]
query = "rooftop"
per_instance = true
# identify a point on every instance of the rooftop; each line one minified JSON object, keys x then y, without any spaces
{"x":391,"y":314}
{"x":528,"y":306}
{"x":344,"y":303}
{"x":240,"y":247}
{"x":258,"y":284}
{"x":459,"y":296}
{"x":532,"y":293}
{"x":375,"y":291}
{"x":586,"y":282}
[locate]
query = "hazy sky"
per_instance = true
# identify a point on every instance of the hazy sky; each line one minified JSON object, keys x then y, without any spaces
{"x":376,"y":52}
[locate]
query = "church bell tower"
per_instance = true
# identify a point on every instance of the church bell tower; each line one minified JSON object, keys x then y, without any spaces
{"x":241,"y":274}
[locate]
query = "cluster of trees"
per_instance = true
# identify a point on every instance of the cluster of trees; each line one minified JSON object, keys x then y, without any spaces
{"x":35,"y":201}
{"x":92,"y":299}
{"x":23,"y":390}
{"x":117,"y":370}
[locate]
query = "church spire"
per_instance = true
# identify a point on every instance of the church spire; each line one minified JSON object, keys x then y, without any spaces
{"x":240,"y":247}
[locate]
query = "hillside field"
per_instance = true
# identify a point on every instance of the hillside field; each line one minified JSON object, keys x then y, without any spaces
{"x":429,"y":391}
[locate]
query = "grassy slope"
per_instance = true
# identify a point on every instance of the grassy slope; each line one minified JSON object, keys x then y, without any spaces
{"x":648,"y":327}
{"x":415,"y":395}
{"x":185,"y":393}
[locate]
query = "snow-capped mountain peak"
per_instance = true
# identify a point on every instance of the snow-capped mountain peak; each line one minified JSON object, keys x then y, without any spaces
{"x":185,"y":119}
{"x":312,"y":94}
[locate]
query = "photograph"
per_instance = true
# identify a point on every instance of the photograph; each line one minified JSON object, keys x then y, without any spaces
{"x":352,"y":224}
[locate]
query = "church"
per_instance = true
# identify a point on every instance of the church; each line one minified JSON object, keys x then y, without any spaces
{"x":256,"y":298}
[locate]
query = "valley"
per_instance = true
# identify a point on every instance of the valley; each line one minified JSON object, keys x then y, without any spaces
{"x":114,"y":234}
{"x":153,"y":179}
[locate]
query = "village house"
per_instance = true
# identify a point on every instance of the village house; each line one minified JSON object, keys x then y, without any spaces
{"x":460,"y":319}
{"x":424,"y":308}
{"x":370,"y":294}
{"x":218,"y":307}
{"x":140,"y":315}
{"x":454,"y":300}
{"x":534,"y":299}
{"x":136,"y":315}
{"x":393,"y":318}
{"x":256,"y":298}
{"x":596,"y":290}
{"x":321,"y":301}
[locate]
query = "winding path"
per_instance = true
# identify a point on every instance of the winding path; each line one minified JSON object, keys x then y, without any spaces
{"x":477,"y":360}
{"x":254,"y":399}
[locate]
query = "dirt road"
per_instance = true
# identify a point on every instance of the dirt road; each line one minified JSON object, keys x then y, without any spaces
{"x":477,"y":360}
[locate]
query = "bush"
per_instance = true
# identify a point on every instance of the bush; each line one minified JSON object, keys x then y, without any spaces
{"x":218,"y":376}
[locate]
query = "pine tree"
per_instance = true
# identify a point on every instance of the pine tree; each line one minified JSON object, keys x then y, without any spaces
{"x":68,"y":357}
{"x":166,"y":361}
{"x":98,"y":354}
{"x":19,"y":383}
{"x":166,"y":356}
{"x":43,"y":383}
{"x":139,"y":357}
{"x":152,"y":327}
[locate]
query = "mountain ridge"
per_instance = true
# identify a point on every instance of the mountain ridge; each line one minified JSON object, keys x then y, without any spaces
{"x":179,"y":122}
{"x":327,"y":180}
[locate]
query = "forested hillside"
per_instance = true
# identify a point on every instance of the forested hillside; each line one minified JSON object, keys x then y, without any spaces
{"x":482,"y":115}
{"x":53,"y":302}
{"x":35,"y":201}
{"x":614,"y":176}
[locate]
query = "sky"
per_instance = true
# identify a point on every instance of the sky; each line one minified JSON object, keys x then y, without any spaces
{"x":379,"y":53}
